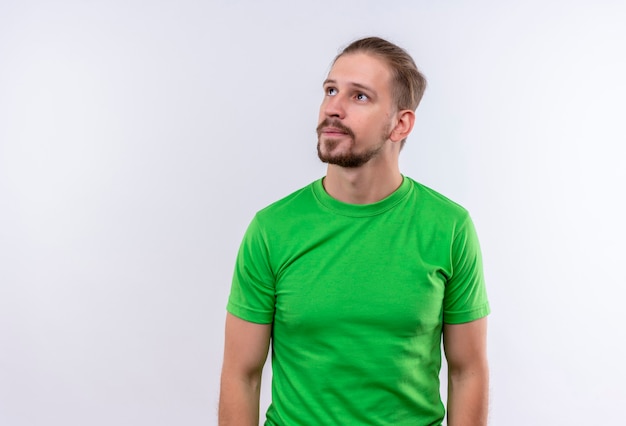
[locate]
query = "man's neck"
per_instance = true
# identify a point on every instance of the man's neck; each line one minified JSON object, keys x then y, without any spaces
{"x":362,"y":185}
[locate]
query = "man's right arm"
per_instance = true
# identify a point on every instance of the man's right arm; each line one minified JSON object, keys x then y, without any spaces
{"x":245,"y":351}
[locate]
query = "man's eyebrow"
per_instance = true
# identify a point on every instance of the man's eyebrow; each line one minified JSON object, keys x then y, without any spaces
{"x":353,"y":84}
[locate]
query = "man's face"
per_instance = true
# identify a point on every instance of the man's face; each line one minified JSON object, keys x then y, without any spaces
{"x":355,"y":117}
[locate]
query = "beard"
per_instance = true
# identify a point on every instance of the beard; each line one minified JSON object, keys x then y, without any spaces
{"x":349,"y":159}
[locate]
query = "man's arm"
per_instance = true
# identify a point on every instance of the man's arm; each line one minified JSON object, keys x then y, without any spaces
{"x":245,"y":352}
{"x":465,"y":346}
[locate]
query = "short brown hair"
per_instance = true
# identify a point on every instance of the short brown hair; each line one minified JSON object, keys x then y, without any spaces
{"x":408,"y":83}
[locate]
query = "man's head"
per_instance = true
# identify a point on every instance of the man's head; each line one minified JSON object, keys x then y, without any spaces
{"x":371,"y":93}
{"x":408,"y":83}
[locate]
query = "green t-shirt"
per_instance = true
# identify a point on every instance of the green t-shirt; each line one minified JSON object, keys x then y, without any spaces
{"x":357,"y":295}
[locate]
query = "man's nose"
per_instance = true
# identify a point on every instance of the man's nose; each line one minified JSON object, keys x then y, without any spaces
{"x":334,"y":107}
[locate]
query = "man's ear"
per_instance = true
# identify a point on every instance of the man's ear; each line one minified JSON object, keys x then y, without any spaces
{"x":406,"y":120}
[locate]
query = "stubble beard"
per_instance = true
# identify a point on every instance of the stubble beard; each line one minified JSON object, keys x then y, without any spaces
{"x":348,"y":159}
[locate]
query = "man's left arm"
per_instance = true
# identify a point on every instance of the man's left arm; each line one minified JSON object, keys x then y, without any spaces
{"x":465,"y":347}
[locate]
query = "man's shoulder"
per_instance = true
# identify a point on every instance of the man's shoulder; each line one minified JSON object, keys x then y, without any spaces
{"x":291,"y":204}
{"x":426,"y":197}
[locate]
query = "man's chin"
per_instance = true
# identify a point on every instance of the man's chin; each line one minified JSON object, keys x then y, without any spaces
{"x":345,"y":158}
{"x":347,"y":161}
{"x":329,"y":149}
{"x":331,"y":156}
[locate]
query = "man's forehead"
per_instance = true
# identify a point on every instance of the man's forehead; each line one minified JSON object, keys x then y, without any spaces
{"x":359,"y":68}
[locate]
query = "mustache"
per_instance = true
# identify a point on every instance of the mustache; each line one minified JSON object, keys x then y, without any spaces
{"x":336,"y":124}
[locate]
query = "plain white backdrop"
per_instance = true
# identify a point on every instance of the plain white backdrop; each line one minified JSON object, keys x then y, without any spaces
{"x":138,"y":139}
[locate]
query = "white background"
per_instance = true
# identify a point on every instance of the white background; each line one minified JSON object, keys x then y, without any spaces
{"x":137,"y":140}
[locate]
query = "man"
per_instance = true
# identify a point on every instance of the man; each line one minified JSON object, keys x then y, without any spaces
{"x":355,"y":278}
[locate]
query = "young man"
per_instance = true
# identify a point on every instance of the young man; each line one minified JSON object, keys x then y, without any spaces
{"x":355,"y":278}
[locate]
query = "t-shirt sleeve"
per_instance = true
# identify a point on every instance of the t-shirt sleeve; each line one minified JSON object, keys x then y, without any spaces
{"x":252,"y":295}
{"x":465,"y":297}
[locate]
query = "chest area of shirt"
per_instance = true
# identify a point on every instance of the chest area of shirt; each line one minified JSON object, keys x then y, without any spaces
{"x":371,"y":282}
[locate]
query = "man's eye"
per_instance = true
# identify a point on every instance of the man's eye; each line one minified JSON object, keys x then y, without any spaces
{"x":361,"y":97}
{"x":331,"y":91}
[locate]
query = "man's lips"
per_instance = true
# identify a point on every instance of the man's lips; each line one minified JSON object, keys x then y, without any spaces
{"x":333,"y":131}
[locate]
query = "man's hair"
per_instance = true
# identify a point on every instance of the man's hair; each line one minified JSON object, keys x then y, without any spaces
{"x":408,"y":83}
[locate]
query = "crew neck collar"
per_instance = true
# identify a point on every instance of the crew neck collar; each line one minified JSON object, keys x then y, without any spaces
{"x":361,"y":210}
